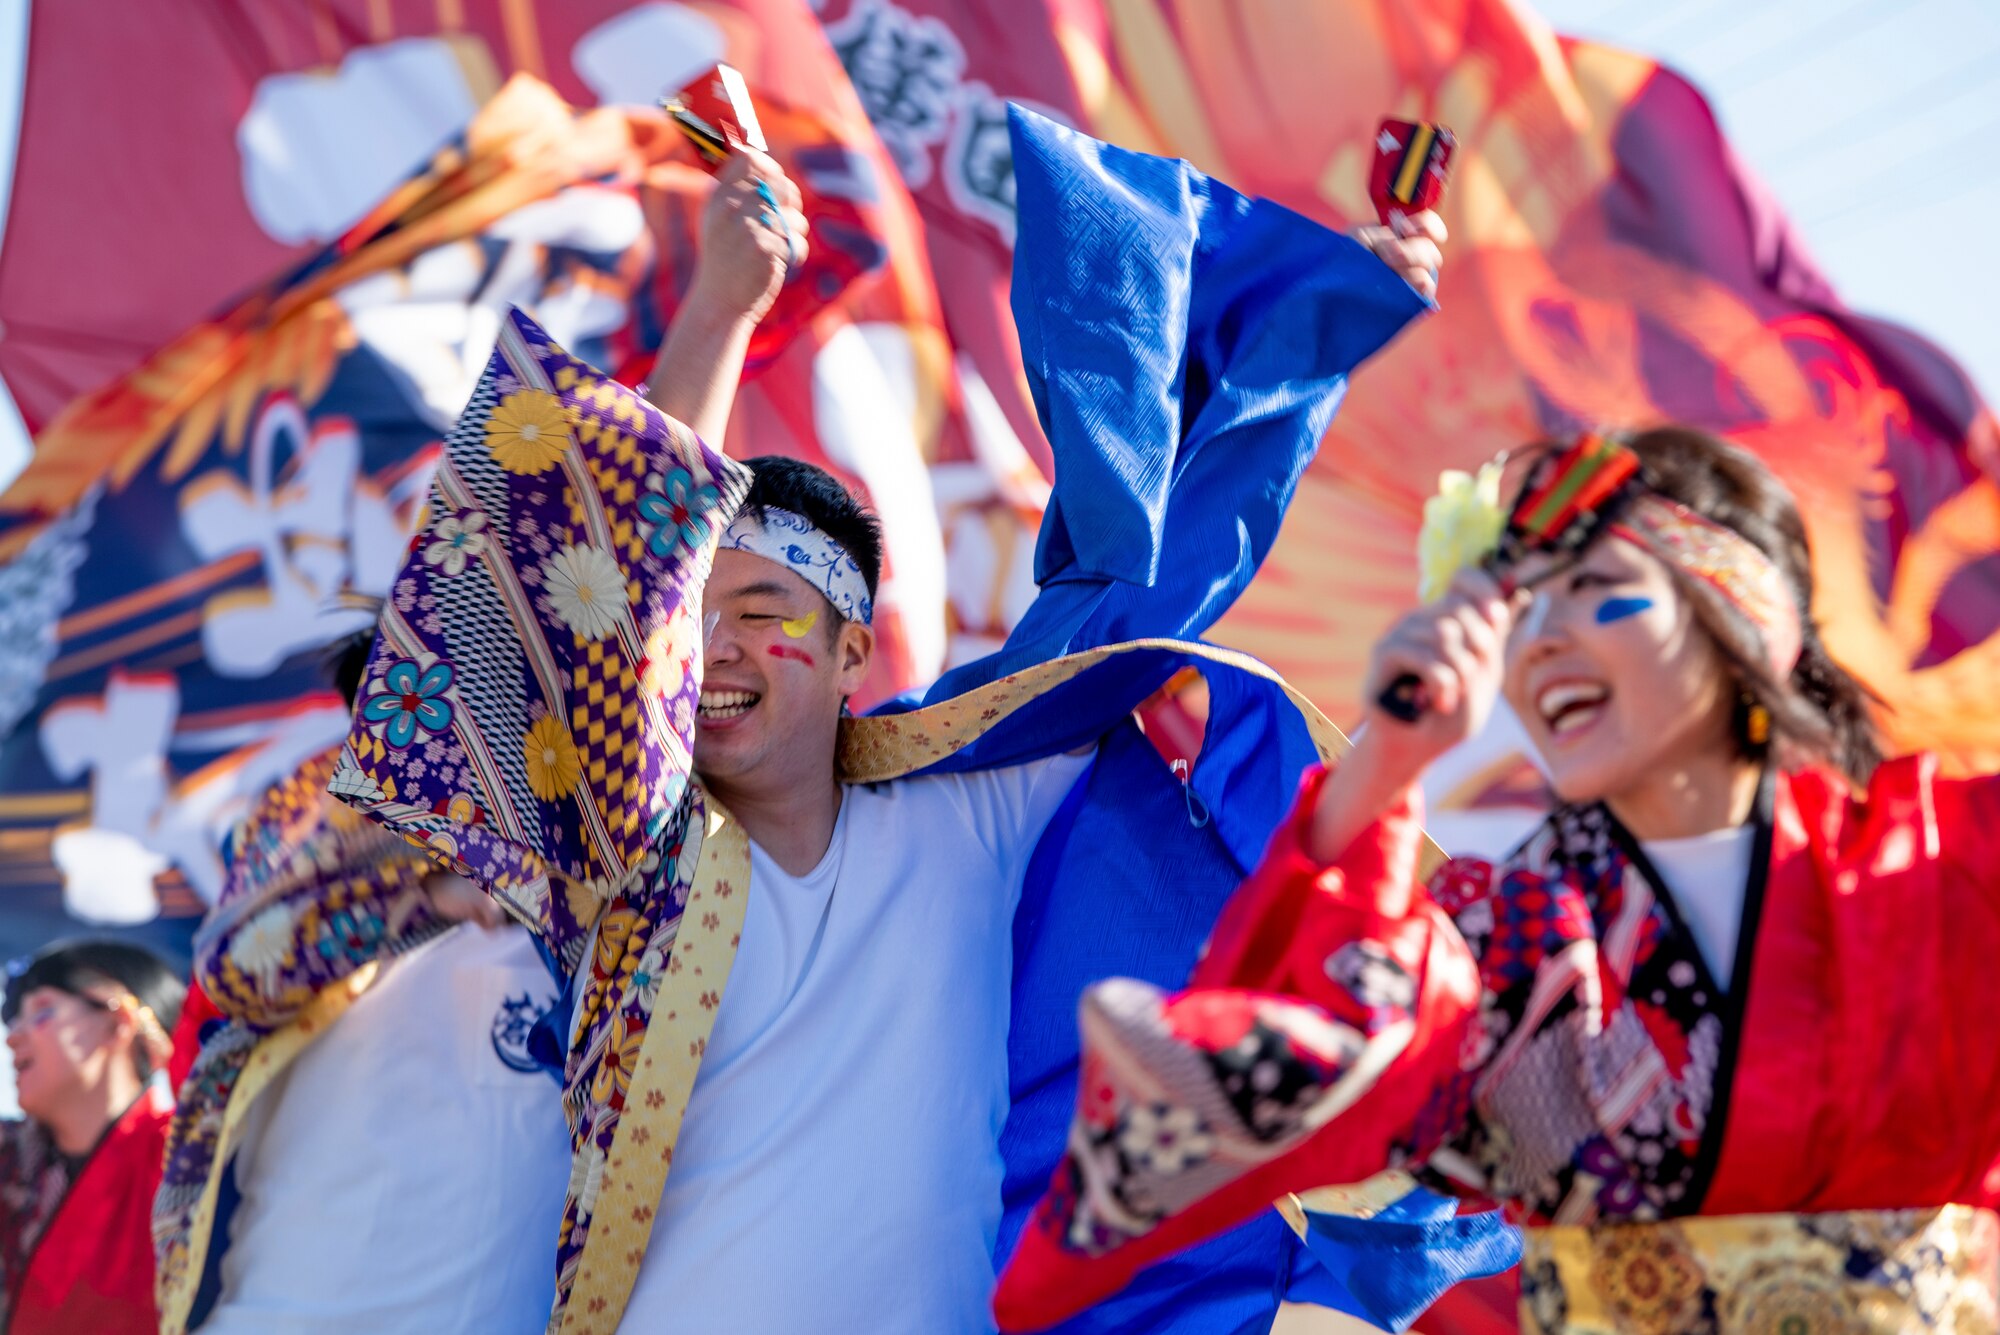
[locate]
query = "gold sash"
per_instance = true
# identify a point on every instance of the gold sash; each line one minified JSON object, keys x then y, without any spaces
{"x":1859,"y":1272}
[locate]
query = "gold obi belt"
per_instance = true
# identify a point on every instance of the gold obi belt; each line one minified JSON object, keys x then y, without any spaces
{"x":1861,"y":1272}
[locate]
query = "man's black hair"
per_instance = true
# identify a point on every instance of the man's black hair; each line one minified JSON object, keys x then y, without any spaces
{"x":73,"y":966}
{"x":784,"y":483}
{"x":347,"y":660}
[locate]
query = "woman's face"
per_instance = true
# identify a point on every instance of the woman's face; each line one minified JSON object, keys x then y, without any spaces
{"x":1614,"y":678}
{"x":62,"y":1044}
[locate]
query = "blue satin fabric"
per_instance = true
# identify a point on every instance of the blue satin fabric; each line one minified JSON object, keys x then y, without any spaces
{"x":1186,"y":348}
{"x":1384,"y":1264}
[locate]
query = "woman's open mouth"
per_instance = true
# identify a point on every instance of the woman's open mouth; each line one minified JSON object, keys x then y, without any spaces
{"x":1569,"y":707}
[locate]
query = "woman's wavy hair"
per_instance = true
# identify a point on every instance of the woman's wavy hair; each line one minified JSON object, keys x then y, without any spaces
{"x":1819,"y":714}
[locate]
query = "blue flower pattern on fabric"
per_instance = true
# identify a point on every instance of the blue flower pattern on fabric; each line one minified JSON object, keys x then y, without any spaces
{"x":808,"y":553}
{"x":680,"y":510}
{"x":346,"y":937}
{"x":409,"y":702}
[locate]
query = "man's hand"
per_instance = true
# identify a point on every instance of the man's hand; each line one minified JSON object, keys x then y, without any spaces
{"x":747,"y":246}
{"x":1416,"y":254}
{"x":455,"y":899}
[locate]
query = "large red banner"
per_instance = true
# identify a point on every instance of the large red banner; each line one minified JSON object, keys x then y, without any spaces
{"x":242,"y":291}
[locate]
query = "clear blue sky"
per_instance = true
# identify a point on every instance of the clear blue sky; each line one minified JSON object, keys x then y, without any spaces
{"x":1877,"y":124}
{"x":13,"y":59}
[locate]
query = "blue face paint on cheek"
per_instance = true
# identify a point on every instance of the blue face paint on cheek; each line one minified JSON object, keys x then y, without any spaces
{"x":1617,"y":609}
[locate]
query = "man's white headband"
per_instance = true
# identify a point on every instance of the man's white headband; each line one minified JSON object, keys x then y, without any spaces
{"x":796,"y":544}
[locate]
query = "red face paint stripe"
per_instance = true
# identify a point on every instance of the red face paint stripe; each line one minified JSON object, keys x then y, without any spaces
{"x":786,"y":651}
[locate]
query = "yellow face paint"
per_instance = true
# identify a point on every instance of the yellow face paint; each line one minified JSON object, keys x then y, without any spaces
{"x":801,"y":627}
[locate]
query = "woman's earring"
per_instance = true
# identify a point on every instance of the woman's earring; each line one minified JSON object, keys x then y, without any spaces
{"x":1757,"y":724}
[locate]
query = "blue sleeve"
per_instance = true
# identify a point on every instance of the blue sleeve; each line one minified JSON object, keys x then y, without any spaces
{"x":1389,"y":1268}
{"x":1186,"y":348}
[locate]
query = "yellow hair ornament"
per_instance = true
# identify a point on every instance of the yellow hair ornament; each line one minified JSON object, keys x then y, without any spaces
{"x":1462,"y":527}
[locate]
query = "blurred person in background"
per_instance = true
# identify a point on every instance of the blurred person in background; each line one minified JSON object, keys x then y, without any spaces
{"x":389,"y":1004}
{"x":88,"y":1025}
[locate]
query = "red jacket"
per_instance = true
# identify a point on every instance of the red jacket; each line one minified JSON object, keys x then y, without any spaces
{"x":92,"y":1270}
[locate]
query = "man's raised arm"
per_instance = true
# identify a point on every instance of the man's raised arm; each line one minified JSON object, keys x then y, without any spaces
{"x":752,"y":235}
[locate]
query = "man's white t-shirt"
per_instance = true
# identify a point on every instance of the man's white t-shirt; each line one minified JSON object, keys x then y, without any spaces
{"x":406,"y":1174}
{"x":839,"y":1166}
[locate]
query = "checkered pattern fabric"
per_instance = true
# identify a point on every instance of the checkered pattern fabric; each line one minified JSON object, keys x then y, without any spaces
{"x":504,"y":723}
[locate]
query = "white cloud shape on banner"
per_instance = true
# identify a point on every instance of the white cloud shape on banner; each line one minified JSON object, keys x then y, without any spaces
{"x":319,"y":150}
{"x":647,"y":52}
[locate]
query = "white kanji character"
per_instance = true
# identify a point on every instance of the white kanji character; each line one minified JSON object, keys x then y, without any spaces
{"x":141,"y":822}
{"x":433,"y":325}
{"x":301,"y":522}
{"x":907,"y":69}
{"x":978,"y":160}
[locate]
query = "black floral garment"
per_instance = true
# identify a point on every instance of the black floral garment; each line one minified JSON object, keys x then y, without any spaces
{"x":1595,"y":1086}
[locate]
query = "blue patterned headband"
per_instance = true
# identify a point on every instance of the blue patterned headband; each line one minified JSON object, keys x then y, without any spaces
{"x":795,"y":543}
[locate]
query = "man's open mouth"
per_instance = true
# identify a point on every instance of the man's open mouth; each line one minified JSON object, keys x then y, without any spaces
{"x":719,"y":705}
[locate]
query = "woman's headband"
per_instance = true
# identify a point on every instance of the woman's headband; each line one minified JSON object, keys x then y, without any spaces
{"x":794,"y":542}
{"x":1593,"y":486}
{"x":1749,"y":585}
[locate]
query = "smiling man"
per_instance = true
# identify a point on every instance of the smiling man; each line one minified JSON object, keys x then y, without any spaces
{"x":789,"y":607}
{"x":825,"y":1105}
{"x":873,"y":950}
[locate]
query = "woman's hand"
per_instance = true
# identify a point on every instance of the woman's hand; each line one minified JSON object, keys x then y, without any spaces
{"x":1416,"y":252}
{"x":1456,"y":648}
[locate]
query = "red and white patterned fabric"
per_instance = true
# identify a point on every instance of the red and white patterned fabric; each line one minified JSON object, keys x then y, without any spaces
{"x":1568,"y":1051}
